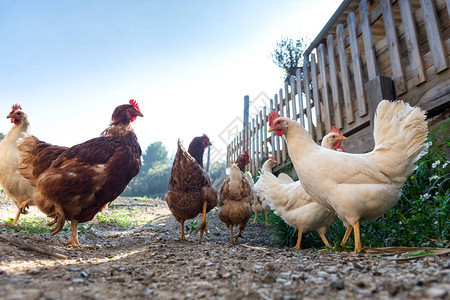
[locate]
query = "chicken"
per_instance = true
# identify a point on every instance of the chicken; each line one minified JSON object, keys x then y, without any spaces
{"x":242,"y":161}
{"x":17,"y":188}
{"x":235,"y":201}
{"x":190,"y":186}
{"x":291,"y":202}
{"x":85,"y":178}
{"x":359,"y":186}
{"x":260,"y":203}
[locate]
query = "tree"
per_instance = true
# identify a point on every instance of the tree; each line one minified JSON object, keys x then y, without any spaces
{"x":2,"y":136}
{"x":216,"y":170}
{"x":288,"y":54}
{"x":156,"y":152}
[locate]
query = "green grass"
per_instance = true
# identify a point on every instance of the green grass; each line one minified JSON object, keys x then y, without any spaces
{"x":122,"y":217}
{"x":28,"y":226}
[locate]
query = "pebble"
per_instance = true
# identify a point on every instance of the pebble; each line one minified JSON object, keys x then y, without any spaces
{"x":437,"y":292}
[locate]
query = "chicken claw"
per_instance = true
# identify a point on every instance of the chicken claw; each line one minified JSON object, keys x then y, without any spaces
{"x":59,"y":219}
{"x":74,"y":236}
{"x":203,"y":227}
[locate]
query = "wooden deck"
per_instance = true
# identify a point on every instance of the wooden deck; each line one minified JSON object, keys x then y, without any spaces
{"x":368,"y":51}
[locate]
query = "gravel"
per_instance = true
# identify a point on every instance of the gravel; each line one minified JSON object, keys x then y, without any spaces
{"x":149,"y":262}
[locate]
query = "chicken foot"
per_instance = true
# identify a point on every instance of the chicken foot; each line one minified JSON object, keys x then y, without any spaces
{"x":203,"y":227}
{"x":182,"y":237}
{"x":299,"y":240}
{"x":233,"y":242}
{"x":74,"y":236}
{"x":254,"y":221}
{"x":265,"y":218}
{"x":22,"y":209}
{"x":59,"y":219}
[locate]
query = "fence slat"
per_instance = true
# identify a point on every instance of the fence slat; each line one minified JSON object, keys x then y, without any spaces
{"x":434,"y":35}
{"x":272,"y":134}
{"x":286,"y":100}
{"x":394,"y":52}
{"x":316,"y":97}
{"x":282,"y":143}
{"x":412,"y":44}
{"x":307,"y":95}
{"x":277,"y":138}
{"x":298,"y":79}
{"x":369,"y":49}
{"x":345,"y":74}
{"x":324,"y":79}
{"x":293,"y":102}
{"x":357,"y":67}
{"x":336,"y":107}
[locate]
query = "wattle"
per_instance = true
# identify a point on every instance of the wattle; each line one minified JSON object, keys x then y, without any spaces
{"x":279,"y":132}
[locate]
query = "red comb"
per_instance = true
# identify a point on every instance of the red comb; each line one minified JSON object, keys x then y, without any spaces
{"x":135,"y":104}
{"x":335,"y":130}
{"x":206,"y":136}
{"x":15,"y":107}
{"x":246,"y":153}
{"x":273,"y":116}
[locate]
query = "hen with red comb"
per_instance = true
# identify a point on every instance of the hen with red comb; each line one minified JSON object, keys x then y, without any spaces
{"x":85,"y":178}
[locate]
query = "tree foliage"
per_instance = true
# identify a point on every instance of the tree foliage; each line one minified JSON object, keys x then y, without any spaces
{"x":2,"y":136}
{"x":288,"y":54}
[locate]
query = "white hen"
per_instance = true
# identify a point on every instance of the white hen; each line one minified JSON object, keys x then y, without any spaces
{"x":14,"y":185}
{"x":359,"y":186}
{"x":296,"y":207}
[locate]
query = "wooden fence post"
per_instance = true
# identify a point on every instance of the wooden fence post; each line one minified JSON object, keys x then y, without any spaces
{"x":377,"y":89}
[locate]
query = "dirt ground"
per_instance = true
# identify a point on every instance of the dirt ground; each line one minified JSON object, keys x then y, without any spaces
{"x":147,"y":261}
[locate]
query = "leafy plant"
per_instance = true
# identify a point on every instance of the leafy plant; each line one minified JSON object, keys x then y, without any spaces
{"x":123,"y":217}
{"x":192,"y":226}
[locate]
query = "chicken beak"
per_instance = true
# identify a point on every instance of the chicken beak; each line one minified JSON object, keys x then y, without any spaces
{"x":341,"y":138}
{"x":139,"y":114}
{"x":271,"y":128}
{"x":9,"y":116}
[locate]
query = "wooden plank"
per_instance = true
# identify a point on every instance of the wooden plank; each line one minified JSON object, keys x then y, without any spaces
{"x":335,"y":106}
{"x":257,"y":144}
{"x":277,"y":138}
{"x":307,"y":95}
{"x":412,"y":44}
{"x":316,"y":97}
{"x":394,"y":52}
{"x":298,"y":79}
{"x":286,"y":100}
{"x":357,"y":67}
{"x":371,"y":62}
{"x":345,"y":74}
{"x":323,"y":77}
{"x":447,"y":3}
{"x":292,"y":97}
{"x":272,"y":134}
{"x":282,"y":142}
{"x":434,"y":35}
{"x":253,"y":148}
{"x":265,"y":129}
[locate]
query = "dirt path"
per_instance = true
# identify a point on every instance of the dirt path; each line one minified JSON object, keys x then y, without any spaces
{"x":147,"y":261}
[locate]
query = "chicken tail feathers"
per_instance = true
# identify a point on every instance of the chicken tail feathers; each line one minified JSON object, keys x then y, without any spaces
{"x":400,"y":135}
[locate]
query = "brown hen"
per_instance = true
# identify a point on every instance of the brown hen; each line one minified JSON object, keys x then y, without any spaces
{"x":190,"y":186}
{"x":83,"y":179}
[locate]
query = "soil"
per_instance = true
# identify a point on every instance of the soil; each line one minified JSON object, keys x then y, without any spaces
{"x":147,"y":261}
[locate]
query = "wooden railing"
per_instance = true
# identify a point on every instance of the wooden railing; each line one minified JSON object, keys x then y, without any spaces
{"x":344,"y":74}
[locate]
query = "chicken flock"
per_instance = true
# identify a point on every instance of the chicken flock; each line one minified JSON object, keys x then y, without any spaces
{"x":75,"y":183}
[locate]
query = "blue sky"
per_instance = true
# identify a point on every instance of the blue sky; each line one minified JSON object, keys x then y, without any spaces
{"x":187,"y":63}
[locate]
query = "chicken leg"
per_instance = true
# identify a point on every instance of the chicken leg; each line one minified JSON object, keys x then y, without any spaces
{"x":324,"y":239}
{"x":21,"y":210}
{"x":233,"y":242}
{"x":358,"y":246}
{"x":59,"y":219}
{"x":347,"y":234}
{"x":254,"y":221}
{"x":182,"y":237}
{"x":265,"y":217}
{"x":203,"y":227}
{"x":74,"y":236}
{"x":299,"y":240}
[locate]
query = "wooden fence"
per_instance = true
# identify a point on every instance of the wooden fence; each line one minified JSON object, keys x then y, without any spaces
{"x":369,"y":50}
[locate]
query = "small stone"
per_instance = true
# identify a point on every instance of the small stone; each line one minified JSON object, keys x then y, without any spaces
{"x":34,"y":272}
{"x":78,"y":280}
{"x":269,"y":277}
{"x":269,"y":267}
{"x":84,"y":274}
{"x":337,"y":283}
{"x":437,"y":292}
